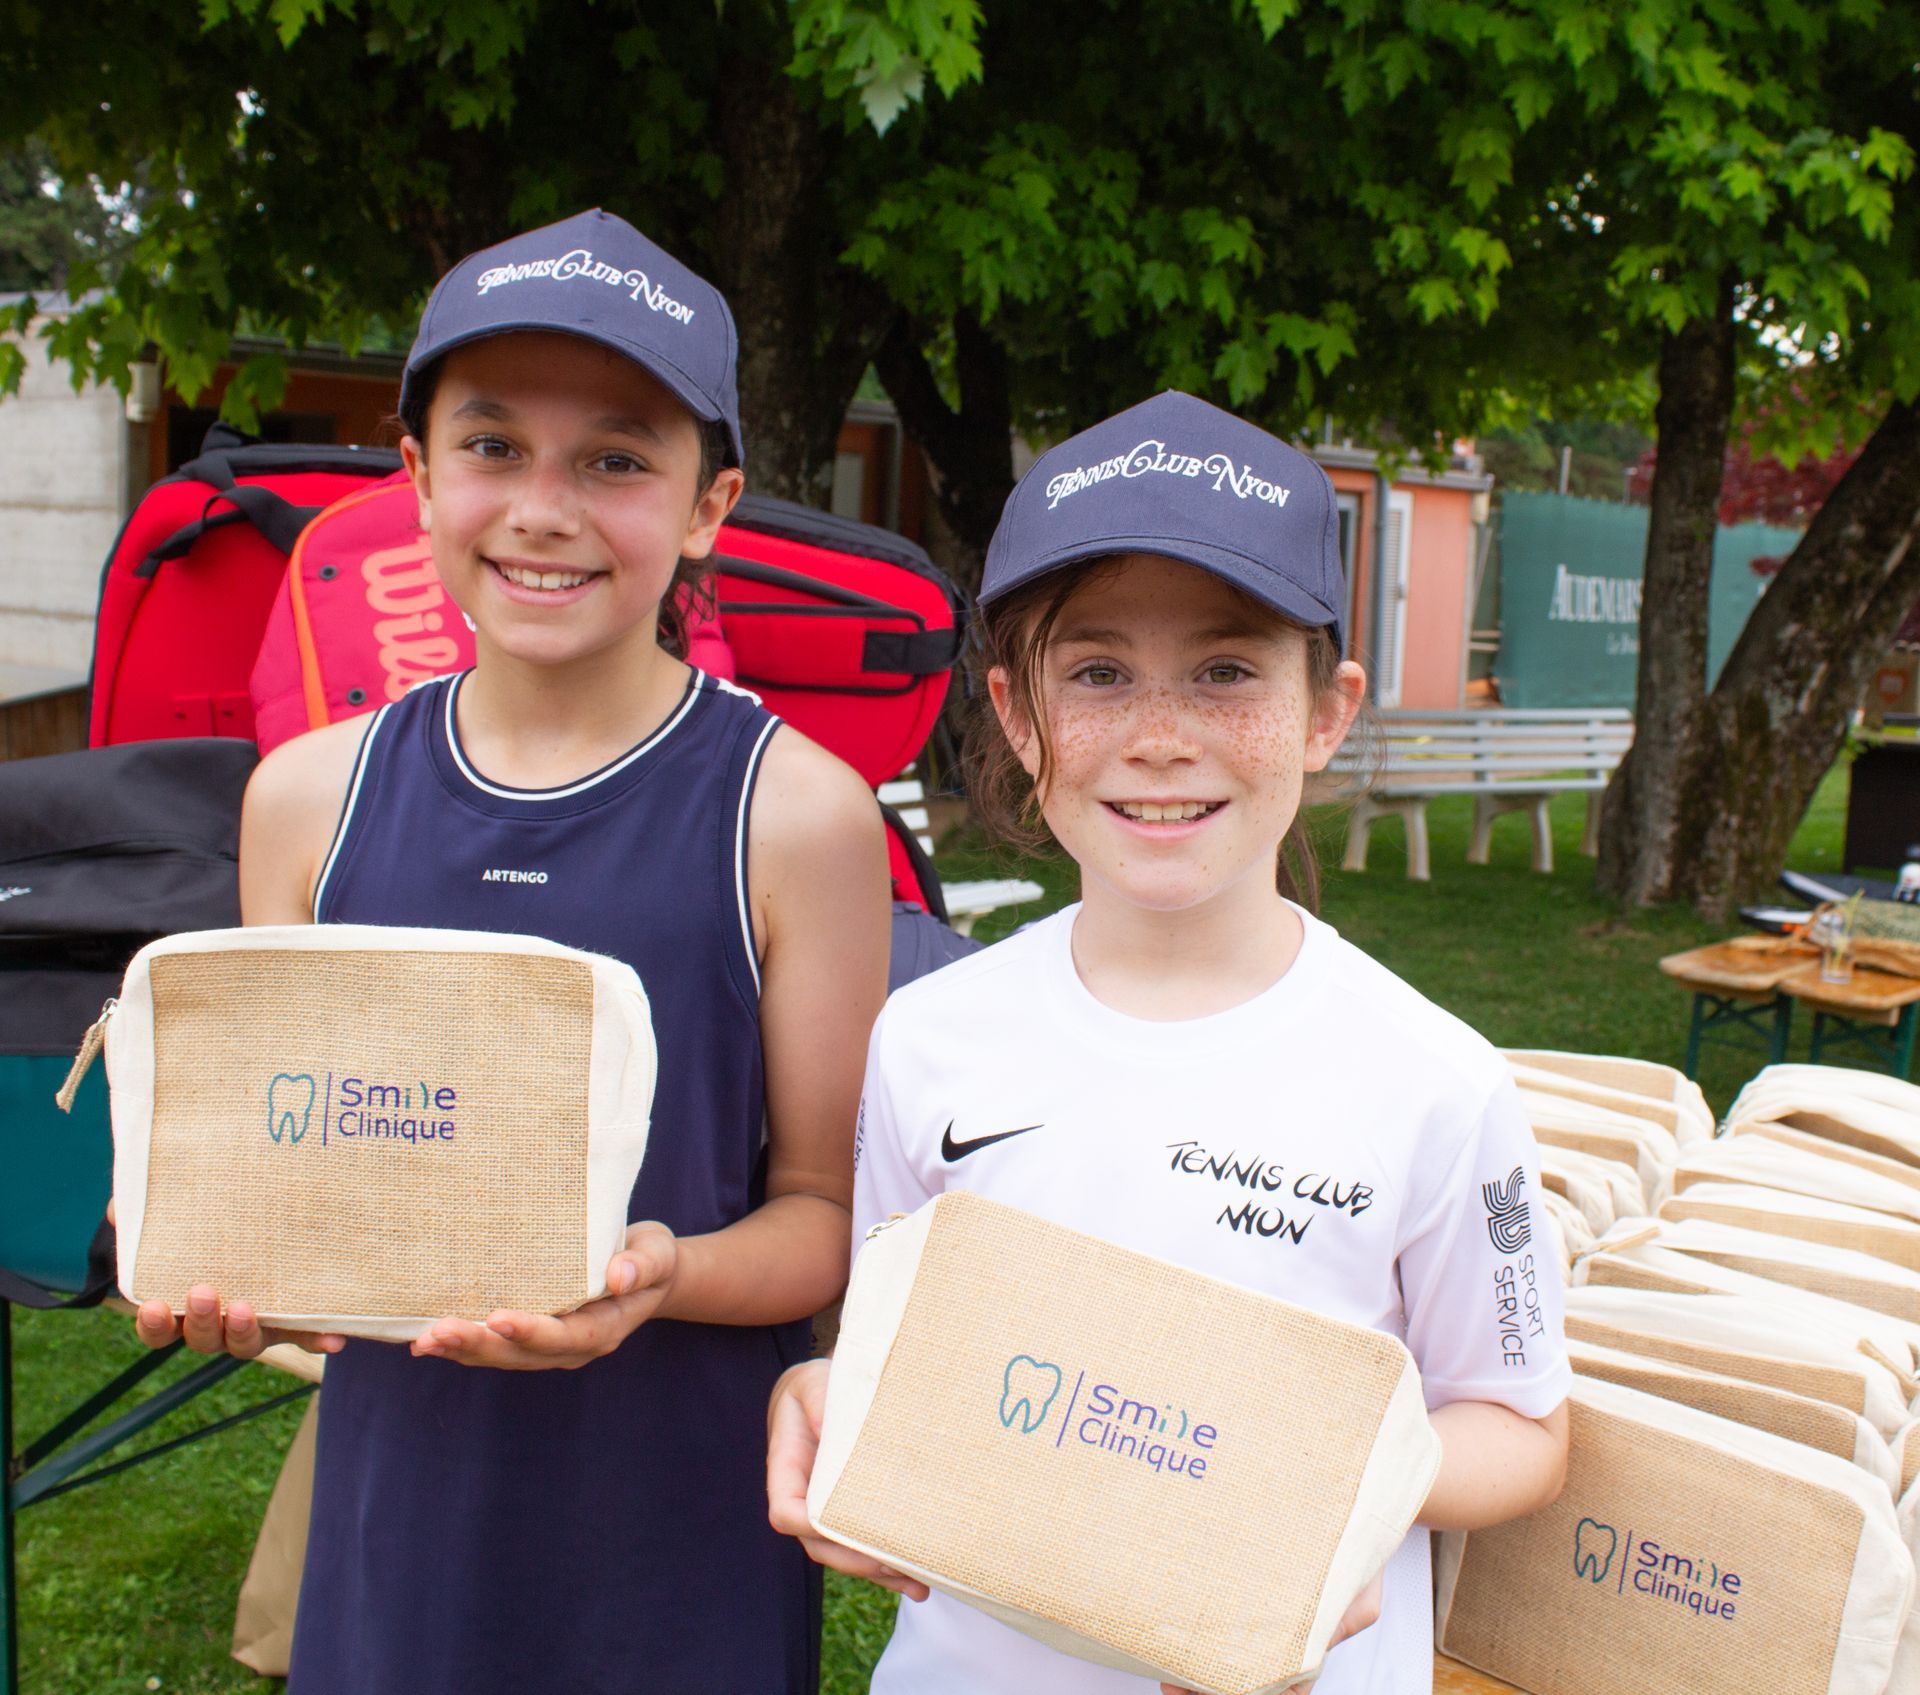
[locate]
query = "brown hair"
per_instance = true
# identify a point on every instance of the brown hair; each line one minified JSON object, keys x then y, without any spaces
{"x":692,"y":584}
{"x":1012,"y":635}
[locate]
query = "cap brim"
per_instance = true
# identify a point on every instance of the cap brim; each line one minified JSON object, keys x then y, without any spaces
{"x":655,"y":364}
{"x":1253,"y":579}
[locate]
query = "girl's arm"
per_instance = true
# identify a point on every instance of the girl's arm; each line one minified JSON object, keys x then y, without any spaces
{"x":1495,"y":1465}
{"x":817,"y":876}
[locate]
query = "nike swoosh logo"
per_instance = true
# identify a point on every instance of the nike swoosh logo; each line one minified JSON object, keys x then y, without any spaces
{"x":950,"y":1150}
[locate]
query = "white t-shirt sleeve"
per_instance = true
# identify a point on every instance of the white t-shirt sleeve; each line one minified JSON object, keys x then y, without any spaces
{"x":1479,"y":1276}
{"x":884,"y":1179}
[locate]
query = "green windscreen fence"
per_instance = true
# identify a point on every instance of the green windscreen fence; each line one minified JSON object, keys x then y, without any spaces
{"x":1570,"y":606}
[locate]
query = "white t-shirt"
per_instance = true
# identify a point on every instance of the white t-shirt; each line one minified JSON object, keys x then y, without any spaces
{"x":1338,"y":1141}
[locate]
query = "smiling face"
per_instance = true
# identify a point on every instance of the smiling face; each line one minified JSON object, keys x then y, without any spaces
{"x":559,"y":485}
{"x":1180,"y":721}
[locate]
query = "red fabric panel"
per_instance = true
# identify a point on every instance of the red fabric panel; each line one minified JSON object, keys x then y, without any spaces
{"x":806,"y":664}
{"x":906,"y":886}
{"x":172,"y":652}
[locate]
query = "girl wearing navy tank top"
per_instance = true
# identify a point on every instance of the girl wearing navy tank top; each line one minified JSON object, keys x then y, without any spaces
{"x":584,"y":1512}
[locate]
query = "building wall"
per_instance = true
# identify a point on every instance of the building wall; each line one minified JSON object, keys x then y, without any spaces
{"x":1440,"y":556}
{"x":62,"y":490}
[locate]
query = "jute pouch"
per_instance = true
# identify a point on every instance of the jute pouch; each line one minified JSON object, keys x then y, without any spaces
{"x":1675,"y":1118}
{"x":1738,"y":1337}
{"x":1603,"y":1189}
{"x":1878,"y":1235}
{"x":1604,"y":1134}
{"x":364,"y":1129}
{"x":1772,"y":1164}
{"x":1906,"y":1453}
{"x":1864,"y":1109}
{"x":1844,"y":1274}
{"x":1649,"y":1247}
{"x":1133,"y":1462}
{"x":1786,"y":1135}
{"x":1798,"y":1418}
{"x":1572,"y":1234}
{"x":1642,"y":1078}
{"x":1687,"y":1555}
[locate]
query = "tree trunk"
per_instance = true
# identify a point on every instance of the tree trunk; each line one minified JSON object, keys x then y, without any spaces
{"x":807,"y":325}
{"x":1648,"y":823}
{"x":969,"y":451}
{"x":1775,"y":721}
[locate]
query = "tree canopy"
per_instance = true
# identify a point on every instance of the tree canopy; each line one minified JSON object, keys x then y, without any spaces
{"x":1420,"y":219}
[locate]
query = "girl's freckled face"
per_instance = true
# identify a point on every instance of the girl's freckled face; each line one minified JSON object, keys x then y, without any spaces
{"x":1181,"y":730}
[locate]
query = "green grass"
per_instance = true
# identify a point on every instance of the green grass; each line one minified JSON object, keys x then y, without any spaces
{"x":135,"y":1581}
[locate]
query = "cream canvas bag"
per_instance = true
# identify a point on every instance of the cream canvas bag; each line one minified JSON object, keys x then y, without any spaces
{"x":1764,"y":1342}
{"x":1687,"y":1555}
{"x":1596,"y":1130}
{"x":1572,"y":1234}
{"x":363,"y":1129}
{"x":1891,"y":1341}
{"x":1132,"y":1462}
{"x":1675,"y":1117}
{"x":1775,"y":1165}
{"x":1864,"y":1109}
{"x":1773,"y":1130}
{"x":1775,"y":1212}
{"x":1603,"y":1189}
{"x":1662,"y":1084}
{"x":1842,"y":1274}
{"x":1798,"y":1418}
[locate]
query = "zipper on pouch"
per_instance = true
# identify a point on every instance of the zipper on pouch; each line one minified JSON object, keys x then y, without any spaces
{"x":886,"y":1223}
{"x":89,"y":1051}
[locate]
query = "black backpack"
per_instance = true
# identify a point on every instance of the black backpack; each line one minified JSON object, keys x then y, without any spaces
{"x":100,"y":852}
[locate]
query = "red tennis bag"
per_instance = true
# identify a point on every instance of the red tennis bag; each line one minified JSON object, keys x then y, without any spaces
{"x":186,"y":591}
{"x":849,"y":632}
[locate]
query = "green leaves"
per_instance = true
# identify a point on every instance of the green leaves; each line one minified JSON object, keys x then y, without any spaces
{"x":881,"y":53}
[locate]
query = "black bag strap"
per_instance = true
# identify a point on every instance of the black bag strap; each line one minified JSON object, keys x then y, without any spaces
{"x":275,"y":517}
{"x":924,"y":874}
{"x":26,"y":1291}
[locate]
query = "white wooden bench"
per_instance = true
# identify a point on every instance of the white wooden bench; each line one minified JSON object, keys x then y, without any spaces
{"x":966,"y":902}
{"x":1508,"y":760}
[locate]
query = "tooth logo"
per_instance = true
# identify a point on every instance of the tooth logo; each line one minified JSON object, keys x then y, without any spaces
{"x":1593,"y":1548}
{"x":289,"y":1106}
{"x":1029,"y":1386}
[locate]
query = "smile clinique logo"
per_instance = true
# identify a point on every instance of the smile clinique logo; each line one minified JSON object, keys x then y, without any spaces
{"x":356,"y":1109}
{"x":1164,"y":1438}
{"x":1699,"y":1586}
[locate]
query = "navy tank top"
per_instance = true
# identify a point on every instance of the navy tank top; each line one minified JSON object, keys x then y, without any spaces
{"x":600,"y":1530}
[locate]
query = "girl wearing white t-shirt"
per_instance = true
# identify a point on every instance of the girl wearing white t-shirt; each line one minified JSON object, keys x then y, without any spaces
{"x":1189,"y":1063}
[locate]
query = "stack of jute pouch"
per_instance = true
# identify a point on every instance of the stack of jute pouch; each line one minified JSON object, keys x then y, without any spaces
{"x":363,"y":1129}
{"x":1740,"y":1509}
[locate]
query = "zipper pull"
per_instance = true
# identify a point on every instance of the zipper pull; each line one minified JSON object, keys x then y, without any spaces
{"x":83,"y":1060}
{"x":886,"y":1223}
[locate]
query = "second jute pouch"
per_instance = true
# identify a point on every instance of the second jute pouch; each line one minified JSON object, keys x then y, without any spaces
{"x":362,"y":1129}
{"x":1687,"y":1555}
{"x":1133,"y":1462}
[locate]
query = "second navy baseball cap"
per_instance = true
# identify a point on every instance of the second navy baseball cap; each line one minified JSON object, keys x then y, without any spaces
{"x":593,"y":275}
{"x":1177,"y":477}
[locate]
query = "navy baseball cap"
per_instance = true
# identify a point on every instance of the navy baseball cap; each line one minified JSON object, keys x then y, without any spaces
{"x":1176,"y":477}
{"x":596,"y":276}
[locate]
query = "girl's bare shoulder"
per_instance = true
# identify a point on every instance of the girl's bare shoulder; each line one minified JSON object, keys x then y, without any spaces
{"x":293,"y":804}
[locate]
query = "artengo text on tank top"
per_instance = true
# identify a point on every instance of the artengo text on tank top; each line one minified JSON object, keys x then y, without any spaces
{"x":498,"y":875}
{"x":359,"y":1110}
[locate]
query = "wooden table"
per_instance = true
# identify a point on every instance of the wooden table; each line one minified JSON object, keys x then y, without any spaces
{"x":1754,"y":981}
{"x":1450,"y":1677}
